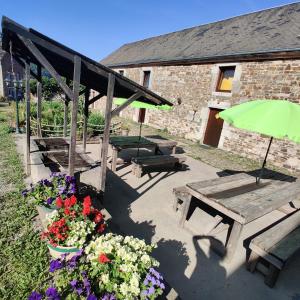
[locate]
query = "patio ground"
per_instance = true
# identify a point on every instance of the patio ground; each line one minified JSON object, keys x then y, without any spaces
{"x":143,"y":208}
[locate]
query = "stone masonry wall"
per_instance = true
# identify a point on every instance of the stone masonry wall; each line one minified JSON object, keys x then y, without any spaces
{"x":195,"y":87}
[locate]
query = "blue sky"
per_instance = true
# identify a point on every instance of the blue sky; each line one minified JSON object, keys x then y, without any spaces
{"x":98,"y":27}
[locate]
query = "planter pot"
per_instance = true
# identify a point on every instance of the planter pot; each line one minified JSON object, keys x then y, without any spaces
{"x":56,"y":252}
{"x":43,"y":212}
{"x":125,"y":132}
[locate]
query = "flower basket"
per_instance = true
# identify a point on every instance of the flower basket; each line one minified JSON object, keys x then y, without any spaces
{"x":58,"y":251}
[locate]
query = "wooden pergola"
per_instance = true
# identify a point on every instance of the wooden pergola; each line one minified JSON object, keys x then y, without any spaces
{"x":31,"y":47}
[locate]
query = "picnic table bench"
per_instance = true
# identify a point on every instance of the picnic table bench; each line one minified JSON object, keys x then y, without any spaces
{"x":241,"y":199}
{"x":139,"y":164}
{"x":119,"y":143}
{"x":276,"y":246}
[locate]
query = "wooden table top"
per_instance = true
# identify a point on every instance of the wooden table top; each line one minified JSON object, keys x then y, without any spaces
{"x":240,"y":198}
{"x":123,"y":142}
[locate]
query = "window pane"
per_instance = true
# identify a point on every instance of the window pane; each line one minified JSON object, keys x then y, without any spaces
{"x":226,"y":77}
{"x":146,"y":80}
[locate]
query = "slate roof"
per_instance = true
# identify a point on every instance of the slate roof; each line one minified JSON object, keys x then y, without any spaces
{"x":272,"y":30}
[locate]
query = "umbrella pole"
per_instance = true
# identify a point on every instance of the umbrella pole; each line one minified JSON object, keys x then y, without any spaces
{"x":264,"y":163}
{"x":138,"y":150}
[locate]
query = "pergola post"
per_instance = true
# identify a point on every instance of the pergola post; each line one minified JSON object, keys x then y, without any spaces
{"x":76,"y":84}
{"x":104,"y":150}
{"x":39,"y":100}
{"x":85,"y":118}
{"x":66,"y":111}
{"x":27,"y":100}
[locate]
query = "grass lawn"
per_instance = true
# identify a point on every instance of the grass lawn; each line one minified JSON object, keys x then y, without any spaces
{"x":23,"y":257}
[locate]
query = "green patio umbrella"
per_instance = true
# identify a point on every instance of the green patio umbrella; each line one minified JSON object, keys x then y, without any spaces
{"x":275,"y":118}
{"x":139,"y":104}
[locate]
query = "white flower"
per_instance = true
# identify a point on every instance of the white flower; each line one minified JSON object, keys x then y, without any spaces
{"x":105,"y":278}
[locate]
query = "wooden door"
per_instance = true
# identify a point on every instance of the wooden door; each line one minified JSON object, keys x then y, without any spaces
{"x":213,"y":128}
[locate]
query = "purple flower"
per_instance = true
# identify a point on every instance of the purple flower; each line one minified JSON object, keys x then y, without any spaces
{"x":61,"y":190}
{"x":108,"y":296}
{"x":55,"y":265}
{"x":52,"y":294}
{"x":151,"y":290}
{"x":24,"y":193}
{"x":49,"y":201}
{"x":35,"y":296}
{"x":91,"y":297}
{"x":73,"y":283}
{"x":162,"y":286}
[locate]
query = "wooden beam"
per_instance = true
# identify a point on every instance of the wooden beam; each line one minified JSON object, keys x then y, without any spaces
{"x":39,"y":100}
{"x":27,"y":99}
{"x":94,"y":99}
{"x":66,"y":111}
{"x":46,"y":64}
{"x":76,"y":84}
{"x":135,"y":96}
{"x":105,"y":140}
{"x":85,"y":118}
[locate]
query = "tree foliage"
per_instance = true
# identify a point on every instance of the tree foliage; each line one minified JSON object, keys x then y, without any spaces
{"x":50,"y":87}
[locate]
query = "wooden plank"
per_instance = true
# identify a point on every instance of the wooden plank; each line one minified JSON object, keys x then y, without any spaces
{"x":105,"y":141}
{"x":46,"y":64}
{"x":218,"y":206}
{"x":27,"y":99}
{"x":134,"y":97}
{"x":85,"y":118}
{"x":75,"y":93}
{"x":158,"y":160}
{"x":114,"y":159}
{"x":263,"y":205}
{"x":225,"y":186}
{"x":233,"y":240}
{"x":289,"y":245}
{"x":94,"y":99}
{"x":39,"y":100}
{"x":272,"y":276}
{"x":216,"y":181}
{"x":275,"y":234}
{"x":185,"y":210}
{"x":66,"y":111}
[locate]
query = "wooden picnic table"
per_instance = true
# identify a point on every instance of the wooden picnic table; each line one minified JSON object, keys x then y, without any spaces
{"x":119,"y":143}
{"x":241,"y":199}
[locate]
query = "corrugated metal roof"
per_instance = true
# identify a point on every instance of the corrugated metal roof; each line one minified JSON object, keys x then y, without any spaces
{"x":271,"y":30}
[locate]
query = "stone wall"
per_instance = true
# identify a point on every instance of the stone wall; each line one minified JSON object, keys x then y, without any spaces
{"x":192,"y":89}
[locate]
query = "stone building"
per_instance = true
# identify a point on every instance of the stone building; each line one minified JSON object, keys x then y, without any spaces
{"x":208,"y":68}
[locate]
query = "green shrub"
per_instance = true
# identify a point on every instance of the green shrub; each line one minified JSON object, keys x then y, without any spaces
{"x":96,"y":118}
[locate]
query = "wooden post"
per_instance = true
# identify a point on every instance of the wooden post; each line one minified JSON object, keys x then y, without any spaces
{"x":76,"y":83}
{"x":27,"y":99}
{"x":105,"y":140}
{"x":39,"y":100}
{"x":85,"y":117}
{"x":66,"y":111}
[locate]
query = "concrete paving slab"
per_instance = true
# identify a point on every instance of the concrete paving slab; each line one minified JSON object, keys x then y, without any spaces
{"x":143,"y":207}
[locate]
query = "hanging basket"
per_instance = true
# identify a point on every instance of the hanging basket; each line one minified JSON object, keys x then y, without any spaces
{"x":58,"y":251}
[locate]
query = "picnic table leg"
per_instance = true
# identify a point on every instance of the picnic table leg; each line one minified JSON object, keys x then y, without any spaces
{"x":233,"y":240}
{"x":174,"y":150}
{"x":185,"y":210}
{"x":114,"y":159}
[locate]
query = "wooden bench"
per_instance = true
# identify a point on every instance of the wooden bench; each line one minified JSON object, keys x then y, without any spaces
{"x":140,"y":163}
{"x":276,"y":246}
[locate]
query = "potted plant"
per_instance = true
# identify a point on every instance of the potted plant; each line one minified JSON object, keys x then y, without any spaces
{"x":123,"y":267}
{"x":70,"y":225}
{"x":111,"y":267}
{"x":44,"y":193}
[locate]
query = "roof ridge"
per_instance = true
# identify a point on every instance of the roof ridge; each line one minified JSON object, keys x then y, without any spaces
{"x":211,"y":23}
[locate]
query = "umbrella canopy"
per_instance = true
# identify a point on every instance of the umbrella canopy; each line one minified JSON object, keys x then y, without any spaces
{"x":139,"y":104}
{"x":275,"y":118}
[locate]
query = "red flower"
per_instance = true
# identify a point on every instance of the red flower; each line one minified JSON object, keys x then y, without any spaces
{"x":101,"y":228}
{"x":59,"y":202}
{"x":86,"y":210}
{"x":67,"y":211}
{"x":103,"y":258}
{"x":87,"y":201}
{"x":98,"y":217}
{"x":73,"y":200}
